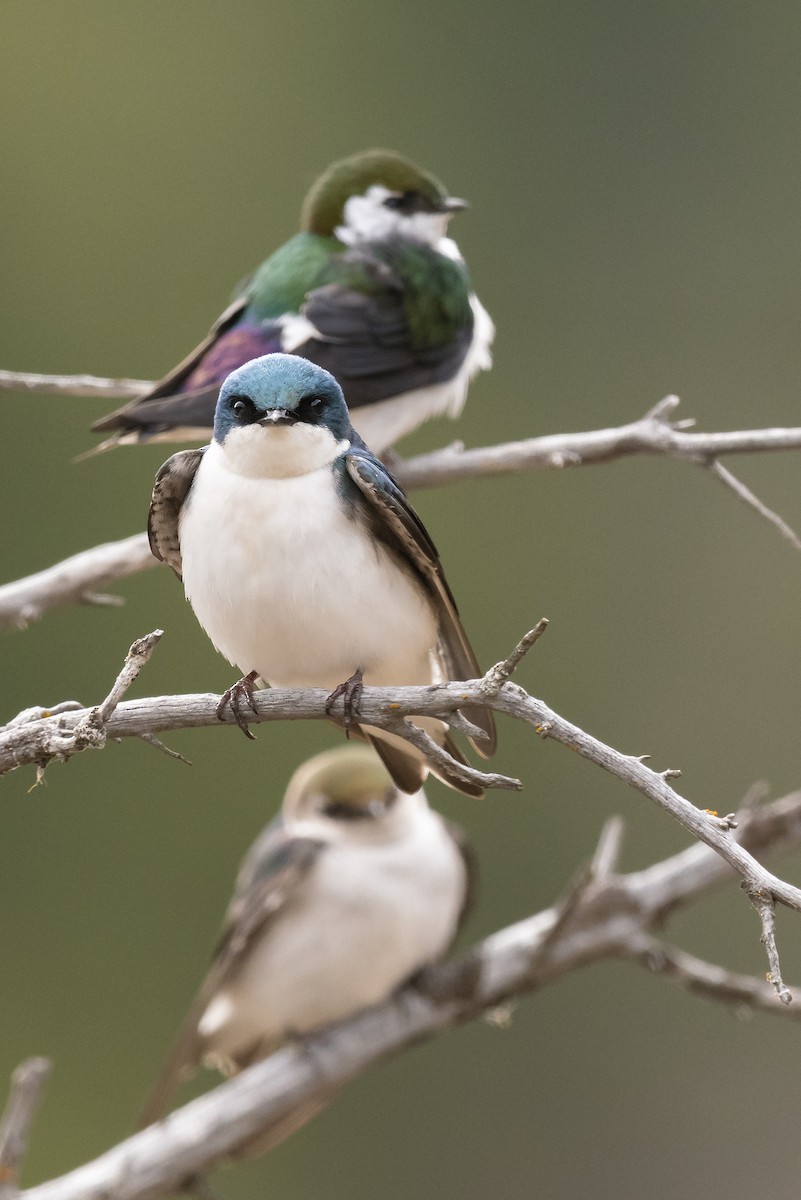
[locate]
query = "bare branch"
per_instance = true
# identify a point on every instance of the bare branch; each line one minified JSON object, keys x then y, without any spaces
{"x":77,"y":579}
{"x":88,"y":729}
{"x":747,"y":496}
{"x":612,"y":920}
{"x":651,"y":434}
{"x":74,"y":580}
{"x":27,"y":1087}
{"x":39,"y":741}
{"x":72,"y":385}
{"x":654,"y":433}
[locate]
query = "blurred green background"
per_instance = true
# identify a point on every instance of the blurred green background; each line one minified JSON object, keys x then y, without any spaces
{"x":634,"y":172}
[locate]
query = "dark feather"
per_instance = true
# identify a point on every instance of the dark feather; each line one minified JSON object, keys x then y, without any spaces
{"x":395,"y":317}
{"x":406,"y":770}
{"x":172,"y":485}
{"x":395,"y":523}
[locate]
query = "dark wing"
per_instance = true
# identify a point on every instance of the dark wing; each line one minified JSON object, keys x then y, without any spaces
{"x":395,"y":316}
{"x":195,"y":406}
{"x":396,"y":524}
{"x":274,"y":869}
{"x":173,"y":481}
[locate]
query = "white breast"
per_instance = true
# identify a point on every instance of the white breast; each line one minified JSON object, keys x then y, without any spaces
{"x":368,"y":918}
{"x":285,"y":583}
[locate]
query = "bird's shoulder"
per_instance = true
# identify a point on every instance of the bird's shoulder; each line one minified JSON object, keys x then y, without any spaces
{"x":282,"y":282}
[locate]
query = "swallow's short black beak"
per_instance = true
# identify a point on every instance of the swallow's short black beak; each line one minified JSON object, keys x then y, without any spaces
{"x":278,"y":416}
{"x":452,"y":204}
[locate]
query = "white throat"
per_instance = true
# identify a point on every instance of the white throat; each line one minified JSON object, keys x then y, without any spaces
{"x":279,"y":452}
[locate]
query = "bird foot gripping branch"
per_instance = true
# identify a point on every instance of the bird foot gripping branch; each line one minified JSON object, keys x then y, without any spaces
{"x":351,"y":693}
{"x":235,"y":697}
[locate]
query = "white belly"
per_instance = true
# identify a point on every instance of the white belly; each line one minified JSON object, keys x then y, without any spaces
{"x":369,"y":917}
{"x":286,"y":584}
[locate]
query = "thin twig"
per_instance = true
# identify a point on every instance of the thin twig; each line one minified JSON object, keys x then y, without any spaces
{"x":27,"y":1088}
{"x":747,"y":496}
{"x":157,"y":744}
{"x":765,"y":905}
{"x":497,"y":676}
{"x":86,"y":728}
{"x":607,"y":852}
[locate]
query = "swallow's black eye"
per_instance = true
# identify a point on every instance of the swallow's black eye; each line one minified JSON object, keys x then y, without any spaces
{"x":409,"y":203}
{"x":311,"y":407}
{"x":337,"y":810}
{"x":405,"y":202}
{"x":243,"y":408}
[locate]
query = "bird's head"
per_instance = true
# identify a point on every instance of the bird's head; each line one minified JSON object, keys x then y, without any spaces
{"x":376,"y":194}
{"x":349,"y":791}
{"x":280,"y":415}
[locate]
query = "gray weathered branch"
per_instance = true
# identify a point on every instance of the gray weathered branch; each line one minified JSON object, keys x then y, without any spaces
{"x":72,"y":385}
{"x":34,"y":738}
{"x":603,"y":916}
{"x":75,"y":580}
{"x":78,"y":578}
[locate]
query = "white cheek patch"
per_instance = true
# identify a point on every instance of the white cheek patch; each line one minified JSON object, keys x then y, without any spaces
{"x":368,"y":219}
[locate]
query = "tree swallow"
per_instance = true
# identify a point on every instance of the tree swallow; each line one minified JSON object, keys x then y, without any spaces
{"x":372,"y":289}
{"x":350,"y":892}
{"x":303,"y":559}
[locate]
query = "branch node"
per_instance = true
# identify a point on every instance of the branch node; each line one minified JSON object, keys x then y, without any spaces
{"x":497,"y":676}
{"x":661,"y":411}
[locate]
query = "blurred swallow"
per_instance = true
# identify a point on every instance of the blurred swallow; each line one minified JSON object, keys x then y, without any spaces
{"x":372,"y":289}
{"x":350,"y":892}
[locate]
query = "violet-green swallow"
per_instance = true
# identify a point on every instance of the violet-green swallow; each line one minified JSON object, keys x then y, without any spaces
{"x":351,"y":891}
{"x":303,"y":559}
{"x":372,"y":289}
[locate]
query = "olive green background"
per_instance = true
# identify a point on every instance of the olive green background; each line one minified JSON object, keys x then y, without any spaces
{"x":635,"y":173}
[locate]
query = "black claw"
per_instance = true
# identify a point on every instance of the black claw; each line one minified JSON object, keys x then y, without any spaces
{"x":351,"y":693}
{"x":234,"y":698}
